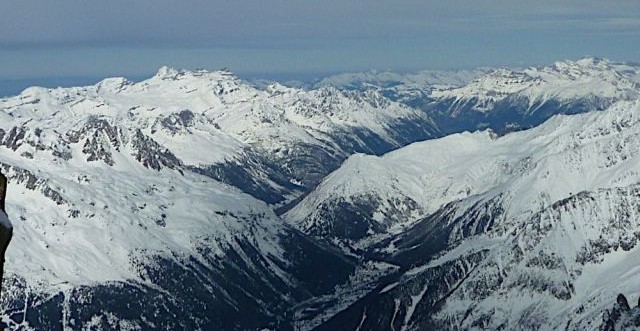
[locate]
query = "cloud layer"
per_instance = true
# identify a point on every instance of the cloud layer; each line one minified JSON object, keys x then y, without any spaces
{"x":78,"y":37}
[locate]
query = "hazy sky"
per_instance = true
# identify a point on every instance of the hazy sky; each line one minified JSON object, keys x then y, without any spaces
{"x":85,"y":38}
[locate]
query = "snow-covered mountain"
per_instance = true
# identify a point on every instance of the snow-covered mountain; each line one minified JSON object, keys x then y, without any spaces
{"x":118,"y":225}
{"x":134,"y":248}
{"x":533,"y":230}
{"x":504,"y":99}
{"x":401,"y":83}
{"x":153,"y":205}
{"x":273,"y":143}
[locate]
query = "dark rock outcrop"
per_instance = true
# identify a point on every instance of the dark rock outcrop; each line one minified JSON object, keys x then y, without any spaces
{"x":6,"y":229}
{"x":621,"y":316}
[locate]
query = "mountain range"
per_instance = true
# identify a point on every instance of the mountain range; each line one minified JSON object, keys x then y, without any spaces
{"x":483,"y":199}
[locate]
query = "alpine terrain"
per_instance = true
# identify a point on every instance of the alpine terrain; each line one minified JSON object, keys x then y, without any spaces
{"x":194,"y":200}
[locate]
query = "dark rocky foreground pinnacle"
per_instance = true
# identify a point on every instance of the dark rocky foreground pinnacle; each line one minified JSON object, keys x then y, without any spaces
{"x":6,"y":229}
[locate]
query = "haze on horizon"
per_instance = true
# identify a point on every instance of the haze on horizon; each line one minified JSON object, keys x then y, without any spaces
{"x":77,"y":39}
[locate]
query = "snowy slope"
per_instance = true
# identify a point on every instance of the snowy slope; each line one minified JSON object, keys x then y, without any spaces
{"x":99,"y":235}
{"x":533,"y":230}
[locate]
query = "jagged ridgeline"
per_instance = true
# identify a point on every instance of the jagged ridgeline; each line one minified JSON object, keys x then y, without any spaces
{"x":196,"y":200}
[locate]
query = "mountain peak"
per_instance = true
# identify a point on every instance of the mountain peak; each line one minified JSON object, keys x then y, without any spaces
{"x":589,"y":61}
{"x":166,"y":72}
{"x":584,"y":63}
{"x":113,"y":84}
{"x":224,"y":76}
{"x":277,"y":88}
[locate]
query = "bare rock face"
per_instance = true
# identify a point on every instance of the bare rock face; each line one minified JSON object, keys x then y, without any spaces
{"x":6,"y":229}
{"x":3,"y":190}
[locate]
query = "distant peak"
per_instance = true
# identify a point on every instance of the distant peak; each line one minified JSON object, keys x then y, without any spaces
{"x":169,"y":73}
{"x":584,"y":62}
{"x":503,"y":72}
{"x":328,"y":89}
{"x":225,"y":71}
{"x":166,"y":72}
{"x":277,"y":88}
{"x":592,"y":61}
{"x":113,"y":84}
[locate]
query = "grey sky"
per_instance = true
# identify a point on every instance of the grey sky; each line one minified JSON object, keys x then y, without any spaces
{"x":274,"y":37}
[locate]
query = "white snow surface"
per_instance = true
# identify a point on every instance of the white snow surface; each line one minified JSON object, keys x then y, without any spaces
{"x":106,"y":215}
